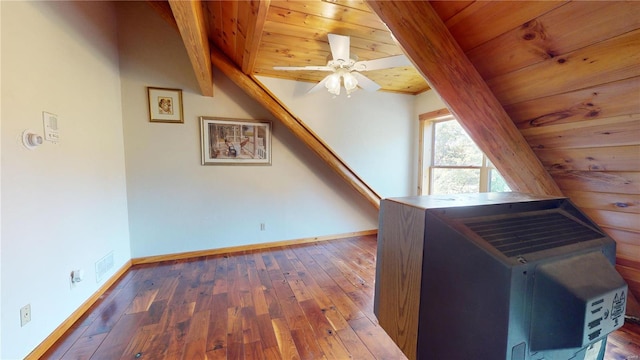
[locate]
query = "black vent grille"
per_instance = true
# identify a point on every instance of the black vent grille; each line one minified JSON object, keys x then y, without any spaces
{"x":526,"y":234}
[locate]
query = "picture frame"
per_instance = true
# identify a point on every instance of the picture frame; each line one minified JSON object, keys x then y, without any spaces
{"x":165,"y":105}
{"x":235,"y":141}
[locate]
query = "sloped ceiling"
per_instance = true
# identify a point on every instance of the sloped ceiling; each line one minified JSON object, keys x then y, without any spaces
{"x":555,"y":86}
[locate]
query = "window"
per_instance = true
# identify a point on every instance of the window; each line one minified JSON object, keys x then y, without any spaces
{"x":450,"y":161}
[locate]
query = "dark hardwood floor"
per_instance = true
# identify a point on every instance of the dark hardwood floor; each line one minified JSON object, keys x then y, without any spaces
{"x":312,"y":301}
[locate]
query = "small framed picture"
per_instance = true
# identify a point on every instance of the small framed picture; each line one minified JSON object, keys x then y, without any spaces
{"x":235,"y":142}
{"x":165,"y":105}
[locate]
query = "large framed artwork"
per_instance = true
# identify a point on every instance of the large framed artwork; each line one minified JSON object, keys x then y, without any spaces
{"x":165,"y":105}
{"x":235,"y":141}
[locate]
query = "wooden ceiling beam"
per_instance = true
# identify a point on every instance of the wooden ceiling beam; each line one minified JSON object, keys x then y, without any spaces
{"x":263,"y":96}
{"x":434,"y":51}
{"x":192,"y":26}
{"x":259,"y":9}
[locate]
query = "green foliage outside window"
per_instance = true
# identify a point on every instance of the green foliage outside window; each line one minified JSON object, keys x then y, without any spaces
{"x":457,"y":163}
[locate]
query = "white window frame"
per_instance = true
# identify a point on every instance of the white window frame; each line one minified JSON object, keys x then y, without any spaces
{"x":426,"y":154}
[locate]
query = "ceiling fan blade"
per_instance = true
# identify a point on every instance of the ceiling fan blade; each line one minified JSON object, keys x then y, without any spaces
{"x":339,"y":47}
{"x":365,"y":83}
{"x":315,"y":68}
{"x":319,"y":85}
{"x":384,"y":63}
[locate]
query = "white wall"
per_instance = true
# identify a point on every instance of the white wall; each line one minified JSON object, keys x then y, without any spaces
{"x":428,"y":101}
{"x":178,"y":205}
{"x":63,"y":205}
{"x":373,"y":132}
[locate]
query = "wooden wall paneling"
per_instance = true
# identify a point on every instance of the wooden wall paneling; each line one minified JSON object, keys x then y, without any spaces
{"x":627,"y":203}
{"x":614,"y":219}
{"x":604,"y":100}
{"x":632,"y":277}
{"x":628,"y":247}
{"x":600,"y":181}
{"x":615,"y":158}
{"x":614,"y":59}
{"x":485,"y":20}
{"x":624,"y":237}
{"x":628,"y":254}
{"x":616,"y":131}
{"x":466,"y":94}
{"x":551,"y":34}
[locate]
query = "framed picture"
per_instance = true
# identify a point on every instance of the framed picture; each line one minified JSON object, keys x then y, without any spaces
{"x":165,"y":105}
{"x":235,"y":142}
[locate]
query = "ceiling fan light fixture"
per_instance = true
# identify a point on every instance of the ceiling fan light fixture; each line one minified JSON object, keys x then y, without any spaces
{"x":333,"y":84}
{"x":350,"y":82}
{"x":346,"y":68}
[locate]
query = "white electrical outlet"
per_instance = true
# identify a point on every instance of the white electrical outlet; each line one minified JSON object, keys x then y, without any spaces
{"x":262,"y":227}
{"x":76,"y":277}
{"x":25,"y":314}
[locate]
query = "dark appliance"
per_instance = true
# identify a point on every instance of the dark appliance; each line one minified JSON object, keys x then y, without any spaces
{"x":496,"y":276}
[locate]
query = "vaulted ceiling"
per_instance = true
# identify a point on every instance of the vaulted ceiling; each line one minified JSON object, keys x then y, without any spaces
{"x":550,"y":90}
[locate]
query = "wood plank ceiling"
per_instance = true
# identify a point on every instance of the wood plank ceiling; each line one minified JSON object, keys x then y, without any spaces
{"x":294,"y":33}
{"x":566,"y":73}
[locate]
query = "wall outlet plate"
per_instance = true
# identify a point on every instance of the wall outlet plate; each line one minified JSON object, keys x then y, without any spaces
{"x":50,"y":122}
{"x":25,"y":314}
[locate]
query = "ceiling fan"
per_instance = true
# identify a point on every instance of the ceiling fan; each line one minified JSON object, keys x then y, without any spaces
{"x":345,"y":70}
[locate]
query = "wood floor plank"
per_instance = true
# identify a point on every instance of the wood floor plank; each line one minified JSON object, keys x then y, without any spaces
{"x":137,"y":344}
{"x":290,"y":307}
{"x":267,"y":333}
{"x":220,"y":279}
{"x":253,"y":351}
{"x":306,"y":344}
{"x":285,"y":341}
{"x":176,"y":341}
{"x":250,"y":330}
{"x":357,"y":349}
{"x":84,"y":348}
{"x":311,"y":301}
{"x":119,"y":337}
{"x":374,"y":338}
{"x":344,"y":304}
{"x":234,"y":333}
{"x":217,"y":332}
